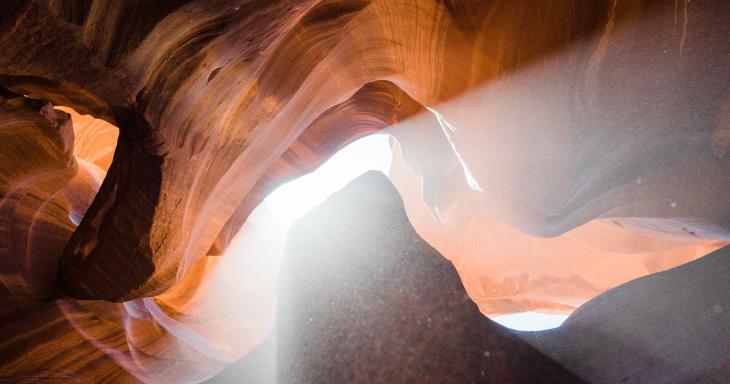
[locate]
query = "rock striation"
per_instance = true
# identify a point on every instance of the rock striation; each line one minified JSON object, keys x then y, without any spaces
{"x":551,"y":151}
{"x":204,"y":115}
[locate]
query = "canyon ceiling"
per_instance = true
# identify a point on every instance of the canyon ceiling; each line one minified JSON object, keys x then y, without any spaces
{"x":557,"y":156}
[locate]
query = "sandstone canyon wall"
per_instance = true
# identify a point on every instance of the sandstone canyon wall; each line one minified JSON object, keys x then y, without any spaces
{"x":551,"y":151}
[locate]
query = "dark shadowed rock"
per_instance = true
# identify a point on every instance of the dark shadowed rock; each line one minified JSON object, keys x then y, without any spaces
{"x":670,"y":327}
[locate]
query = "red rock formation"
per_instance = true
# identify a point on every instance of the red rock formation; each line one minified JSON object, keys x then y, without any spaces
{"x":95,"y":139}
{"x":602,"y":125}
{"x":506,"y":271}
{"x":39,"y":186}
{"x":363,"y":299}
{"x":232,"y":116}
{"x":670,"y":327}
{"x":372,"y":108}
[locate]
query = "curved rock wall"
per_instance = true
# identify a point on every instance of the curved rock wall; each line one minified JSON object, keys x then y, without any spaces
{"x":584,"y":131}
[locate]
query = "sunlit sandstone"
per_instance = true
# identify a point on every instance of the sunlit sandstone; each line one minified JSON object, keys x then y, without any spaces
{"x":550,"y":151}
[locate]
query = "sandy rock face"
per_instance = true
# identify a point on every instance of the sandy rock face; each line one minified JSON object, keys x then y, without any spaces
{"x":552,"y":125}
{"x":550,"y":151}
{"x":41,"y":184}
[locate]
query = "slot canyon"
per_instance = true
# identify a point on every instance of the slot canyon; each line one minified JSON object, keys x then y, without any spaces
{"x":364,"y":191}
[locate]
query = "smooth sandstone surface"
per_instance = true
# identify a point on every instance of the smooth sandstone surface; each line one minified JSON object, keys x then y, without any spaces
{"x":670,"y":327}
{"x":555,"y":124}
{"x":507,"y":271}
{"x":550,"y":151}
{"x":388,"y":310}
{"x":362,"y":298}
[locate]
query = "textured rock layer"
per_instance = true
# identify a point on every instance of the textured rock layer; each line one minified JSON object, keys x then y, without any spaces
{"x":538,"y":147}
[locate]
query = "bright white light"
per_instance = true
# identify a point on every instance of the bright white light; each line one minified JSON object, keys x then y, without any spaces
{"x":292,"y":200}
{"x":531,"y":321}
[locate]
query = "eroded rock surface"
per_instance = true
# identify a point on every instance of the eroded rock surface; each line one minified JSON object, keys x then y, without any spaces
{"x":507,"y":271}
{"x":362,"y":299}
{"x":600,"y":125}
{"x":670,"y":327}
{"x":39,"y":187}
{"x":555,"y":124}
